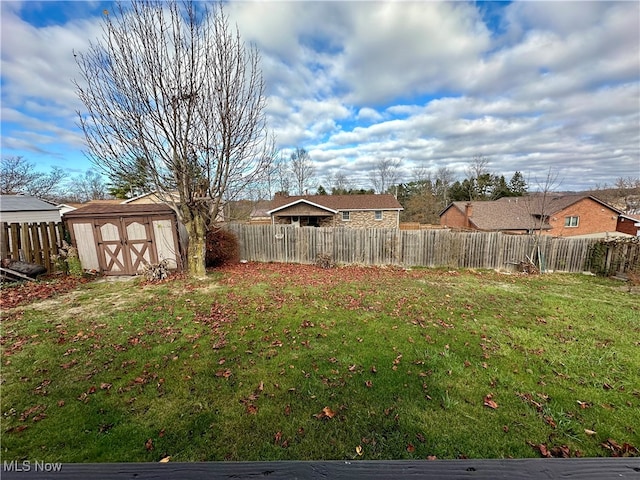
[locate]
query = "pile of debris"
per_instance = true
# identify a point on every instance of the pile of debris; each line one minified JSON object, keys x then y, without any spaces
{"x":528,"y":267}
{"x":15,"y":270}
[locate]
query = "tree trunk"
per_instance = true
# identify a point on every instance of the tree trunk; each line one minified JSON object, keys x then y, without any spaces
{"x":197,"y":231}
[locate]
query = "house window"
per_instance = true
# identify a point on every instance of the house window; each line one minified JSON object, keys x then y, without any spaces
{"x":378,"y":214}
{"x":571,"y":221}
{"x":346,"y":216}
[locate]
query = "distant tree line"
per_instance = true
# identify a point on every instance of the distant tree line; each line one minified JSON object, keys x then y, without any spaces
{"x":422,"y":199}
{"x":19,"y":176}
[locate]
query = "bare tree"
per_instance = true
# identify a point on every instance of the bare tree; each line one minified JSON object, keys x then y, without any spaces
{"x":302,"y":169}
{"x":18,"y":176}
{"x":276,"y":179}
{"x":628,"y":193}
{"x":90,"y":186}
{"x":338,"y":183}
{"x":173,"y":83}
{"x":538,"y":207}
{"x":385,"y":173}
{"x":477,"y":167}
{"x":479,"y":176}
{"x":444,"y":178}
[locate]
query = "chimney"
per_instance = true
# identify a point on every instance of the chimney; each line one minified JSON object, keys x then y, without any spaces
{"x":468,"y":211}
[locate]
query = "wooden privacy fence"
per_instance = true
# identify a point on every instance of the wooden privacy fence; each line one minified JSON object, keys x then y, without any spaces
{"x":620,"y":255}
{"x":427,"y":248}
{"x":31,"y":242}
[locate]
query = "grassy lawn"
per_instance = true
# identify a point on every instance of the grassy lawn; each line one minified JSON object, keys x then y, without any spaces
{"x":272,"y":362}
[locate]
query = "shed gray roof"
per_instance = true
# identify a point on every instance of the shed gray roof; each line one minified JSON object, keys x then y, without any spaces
{"x":24,"y":203}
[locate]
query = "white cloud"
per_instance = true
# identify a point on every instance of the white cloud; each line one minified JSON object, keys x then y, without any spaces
{"x":400,"y":49}
{"x":368,"y":115}
{"x":429,"y":83}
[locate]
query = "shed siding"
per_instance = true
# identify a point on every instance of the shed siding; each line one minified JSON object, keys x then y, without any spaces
{"x":85,"y":242}
{"x":165,"y":244}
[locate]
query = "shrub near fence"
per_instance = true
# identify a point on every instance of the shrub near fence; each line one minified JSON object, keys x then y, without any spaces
{"x":31,"y":242}
{"x":427,"y":248}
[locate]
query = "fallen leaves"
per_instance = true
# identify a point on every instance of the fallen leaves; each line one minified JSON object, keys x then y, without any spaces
{"x":219,"y":315}
{"x":37,"y":411}
{"x":21,"y":294}
{"x":489,"y":402}
{"x":561,"y":451}
{"x":528,"y":398}
{"x":250,"y":402}
{"x":325,"y":414}
{"x":224,"y":373}
{"x":617,"y":450}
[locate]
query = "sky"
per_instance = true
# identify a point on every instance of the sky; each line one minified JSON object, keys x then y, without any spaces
{"x":536,"y":87}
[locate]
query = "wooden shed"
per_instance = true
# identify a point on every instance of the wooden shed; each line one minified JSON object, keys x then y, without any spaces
{"x":121,"y":239}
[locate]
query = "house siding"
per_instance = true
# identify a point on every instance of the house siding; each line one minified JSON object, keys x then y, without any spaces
{"x":453,"y":218}
{"x":367,"y":219}
{"x":628,"y":225}
{"x":358,"y":219}
{"x":34,"y":216}
{"x":593,"y":218}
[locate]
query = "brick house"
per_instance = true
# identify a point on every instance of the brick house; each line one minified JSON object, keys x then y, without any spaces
{"x":629,"y":224}
{"x":556,"y":215}
{"x":350,"y":211}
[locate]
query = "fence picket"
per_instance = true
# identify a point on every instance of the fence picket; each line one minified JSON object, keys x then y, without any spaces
{"x":32,"y":242}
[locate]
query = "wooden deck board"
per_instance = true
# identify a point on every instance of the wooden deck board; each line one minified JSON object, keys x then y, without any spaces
{"x":584,"y":468}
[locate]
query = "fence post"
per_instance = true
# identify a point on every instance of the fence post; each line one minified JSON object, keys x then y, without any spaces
{"x":4,"y":241}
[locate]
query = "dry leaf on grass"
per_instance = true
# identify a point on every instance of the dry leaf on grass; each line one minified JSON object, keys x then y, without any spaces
{"x":325,"y":414}
{"x":489,"y":402}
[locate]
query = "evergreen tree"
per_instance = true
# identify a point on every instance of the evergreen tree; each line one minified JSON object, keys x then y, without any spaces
{"x":517,"y":185}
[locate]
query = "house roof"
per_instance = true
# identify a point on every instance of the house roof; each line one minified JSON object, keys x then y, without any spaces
{"x":519,"y":213}
{"x":635,"y":218}
{"x":499,"y":215}
{"x":336,"y":203}
{"x":550,"y":204}
{"x":22,"y":203}
{"x":260,"y":209}
{"x":155,"y":195}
